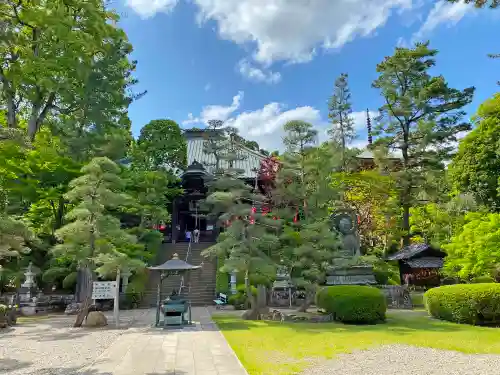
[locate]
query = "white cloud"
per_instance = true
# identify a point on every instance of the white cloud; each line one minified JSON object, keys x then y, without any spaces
{"x":215,"y":112}
{"x":265,"y":125}
{"x":288,"y":30}
{"x":442,"y":13}
{"x":256,"y":74}
{"x":291,"y":30}
{"x":148,"y":8}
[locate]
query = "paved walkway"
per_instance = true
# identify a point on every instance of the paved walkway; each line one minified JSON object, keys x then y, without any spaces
{"x":141,"y":350}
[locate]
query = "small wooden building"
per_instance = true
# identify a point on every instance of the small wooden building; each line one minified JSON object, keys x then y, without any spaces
{"x":419,"y":264}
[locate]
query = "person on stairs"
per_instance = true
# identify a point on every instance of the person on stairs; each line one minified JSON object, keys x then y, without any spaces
{"x":196,"y":233}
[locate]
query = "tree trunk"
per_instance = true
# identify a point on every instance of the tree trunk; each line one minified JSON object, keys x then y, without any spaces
{"x":406,"y":191}
{"x":9,"y":95}
{"x":38,"y":115}
{"x":307,"y":302}
{"x":87,"y":302}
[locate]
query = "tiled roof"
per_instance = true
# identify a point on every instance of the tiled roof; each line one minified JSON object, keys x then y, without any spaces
{"x":426,"y":262}
{"x":249,"y":164}
{"x":409,"y":251}
{"x":367,"y":154}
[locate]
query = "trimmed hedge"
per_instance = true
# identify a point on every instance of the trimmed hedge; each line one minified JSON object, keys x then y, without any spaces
{"x":483,"y":280}
{"x":353,"y":303}
{"x":476,"y":304}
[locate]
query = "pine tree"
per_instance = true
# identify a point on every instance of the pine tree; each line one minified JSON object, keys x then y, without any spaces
{"x":303,"y":194}
{"x":420,"y":118}
{"x":93,"y":237}
{"x":340,"y":110}
{"x":248,"y":238}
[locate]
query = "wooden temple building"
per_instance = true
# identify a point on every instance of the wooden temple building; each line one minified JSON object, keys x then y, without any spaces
{"x":187,"y":212}
{"x":419,"y":264}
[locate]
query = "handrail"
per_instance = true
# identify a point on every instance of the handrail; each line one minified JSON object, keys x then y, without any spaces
{"x":187,"y":258}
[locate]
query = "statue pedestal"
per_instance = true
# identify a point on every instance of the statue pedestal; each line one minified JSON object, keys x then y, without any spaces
{"x":355,"y":275}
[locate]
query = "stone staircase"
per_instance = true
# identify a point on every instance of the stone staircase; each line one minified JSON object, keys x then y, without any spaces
{"x":199,"y":285}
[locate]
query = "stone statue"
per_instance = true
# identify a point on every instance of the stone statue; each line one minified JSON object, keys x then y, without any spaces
{"x":345,"y":223}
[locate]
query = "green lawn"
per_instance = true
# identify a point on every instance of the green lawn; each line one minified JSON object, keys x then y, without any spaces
{"x":273,"y":348}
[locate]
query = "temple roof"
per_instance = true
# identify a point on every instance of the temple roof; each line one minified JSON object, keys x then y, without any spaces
{"x":367,"y":154}
{"x":174,"y":264}
{"x":248,"y":165}
{"x":414,"y":250}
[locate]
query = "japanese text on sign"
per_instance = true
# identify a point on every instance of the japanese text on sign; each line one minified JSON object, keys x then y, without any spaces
{"x":103,"y":289}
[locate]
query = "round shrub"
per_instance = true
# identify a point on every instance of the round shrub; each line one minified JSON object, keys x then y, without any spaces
{"x":465,"y":303}
{"x":353,"y":303}
{"x":483,"y":280}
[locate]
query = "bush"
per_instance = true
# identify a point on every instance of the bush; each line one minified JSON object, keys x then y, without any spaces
{"x":240,"y":299}
{"x":3,"y":309}
{"x":465,"y":303}
{"x":482,"y":280}
{"x":381,"y":276}
{"x":353,"y":303}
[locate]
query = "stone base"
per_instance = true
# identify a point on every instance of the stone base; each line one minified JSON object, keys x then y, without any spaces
{"x":356,"y":275}
{"x":28,"y":309}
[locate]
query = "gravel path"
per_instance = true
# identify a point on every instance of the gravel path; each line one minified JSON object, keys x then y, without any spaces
{"x":51,"y":347}
{"x":402,"y":359}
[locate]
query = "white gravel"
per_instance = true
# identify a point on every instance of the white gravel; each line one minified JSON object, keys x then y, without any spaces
{"x":52,"y":347}
{"x":402,"y":359}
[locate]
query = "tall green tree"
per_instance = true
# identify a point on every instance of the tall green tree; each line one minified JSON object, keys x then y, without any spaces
{"x":248,"y":239}
{"x":340,"y":110}
{"x":63,"y":58}
{"x":421,"y":118}
{"x":161,"y":145}
{"x":302,"y":196}
{"x":475,"y":168}
{"x":93,"y":237}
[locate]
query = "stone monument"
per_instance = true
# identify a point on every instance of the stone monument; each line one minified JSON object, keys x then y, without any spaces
{"x":345,"y":223}
{"x":28,"y":292}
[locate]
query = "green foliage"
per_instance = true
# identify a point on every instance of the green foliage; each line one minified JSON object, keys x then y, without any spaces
{"x":246,"y":243}
{"x":241,"y":299}
{"x":86,"y":84}
{"x":160,"y":146}
{"x":373,"y":196}
{"x":437,"y":223}
{"x":136,"y":288}
{"x":473,"y":251}
{"x":93,"y":237}
{"x":476,"y":167}
{"x":482,"y":280}
{"x":3,"y":309}
{"x":420,"y":118}
{"x":353,"y":303}
{"x":465,"y":303}
{"x":69,"y":281}
{"x":221,"y":277}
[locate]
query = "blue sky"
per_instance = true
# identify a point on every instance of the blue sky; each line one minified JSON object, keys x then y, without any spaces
{"x":260,"y":63}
